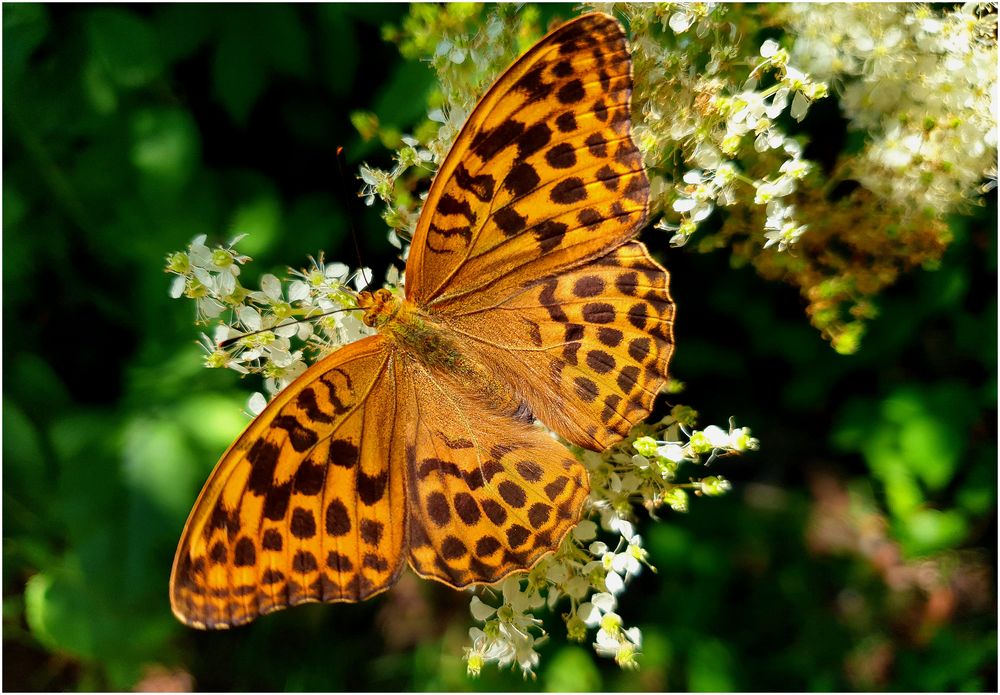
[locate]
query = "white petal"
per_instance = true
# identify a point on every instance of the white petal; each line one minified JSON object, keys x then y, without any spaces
{"x":257,"y":403}
{"x":694,"y":177}
{"x":585,"y":530}
{"x":210,"y":307}
{"x":614,"y":583}
{"x":271,"y":286}
{"x":604,"y":601}
{"x":177,"y":286}
{"x":623,"y":527}
{"x":287,"y":330}
{"x":249,"y":317}
{"x":224,"y":332}
{"x":635,"y":636}
{"x":577,"y":587}
{"x":716,"y":436}
{"x":362,"y":278}
{"x":337,"y":270}
{"x":297,"y":291}
{"x":225,"y":284}
{"x":589,"y":614}
{"x":671,"y":452}
{"x":680,"y":21}
{"x":605,"y":640}
{"x":480,"y":611}
{"x":512,"y":589}
{"x":557,"y":573}
{"x":800,"y":104}
{"x":684,"y":204}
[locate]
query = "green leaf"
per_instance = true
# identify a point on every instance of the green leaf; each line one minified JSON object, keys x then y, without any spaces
{"x":125,"y":45}
{"x":283,"y":38}
{"x":98,"y":88}
{"x":402,"y":101}
{"x":913,"y":440}
{"x":24,"y":458}
{"x":928,"y":531}
{"x":571,"y":669}
{"x":339,"y":47}
{"x":157,"y":463}
{"x":165,"y":146}
{"x":48,"y":611}
{"x":36,"y":387}
{"x":25,"y":26}
{"x":260,"y":217}
{"x":182,"y":28}
{"x":257,"y":40}
{"x":238,"y":75}
{"x":710,"y":667}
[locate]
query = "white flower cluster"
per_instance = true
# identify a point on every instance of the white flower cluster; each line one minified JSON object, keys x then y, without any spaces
{"x":593,"y":574}
{"x":376,"y":183}
{"x":921,"y":82}
{"x":465,"y":65}
{"x":721,"y":121}
{"x":263,"y":325}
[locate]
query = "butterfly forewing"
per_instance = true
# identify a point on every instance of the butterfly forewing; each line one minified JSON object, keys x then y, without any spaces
{"x":306,"y":505}
{"x":544,"y":174}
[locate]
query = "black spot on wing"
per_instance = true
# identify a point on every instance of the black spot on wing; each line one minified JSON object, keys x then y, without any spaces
{"x":487,"y":144}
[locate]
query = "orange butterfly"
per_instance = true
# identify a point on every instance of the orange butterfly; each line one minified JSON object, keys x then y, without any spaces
{"x":526,"y":298}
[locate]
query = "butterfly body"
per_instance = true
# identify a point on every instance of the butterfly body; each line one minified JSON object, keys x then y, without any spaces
{"x":416,"y":337}
{"x":526,"y":297}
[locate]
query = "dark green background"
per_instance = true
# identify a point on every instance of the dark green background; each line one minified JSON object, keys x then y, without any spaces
{"x":128,"y":130}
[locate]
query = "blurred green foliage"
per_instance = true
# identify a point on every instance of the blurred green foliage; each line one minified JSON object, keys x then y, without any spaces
{"x":858,"y":551}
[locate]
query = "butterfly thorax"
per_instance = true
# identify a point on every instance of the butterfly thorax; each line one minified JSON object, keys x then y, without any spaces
{"x":409,"y":328}
{"x":435,"y":347}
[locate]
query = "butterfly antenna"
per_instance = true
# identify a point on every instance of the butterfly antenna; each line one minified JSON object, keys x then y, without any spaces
{"x":349,"y":206}
{"x":228,"y":342}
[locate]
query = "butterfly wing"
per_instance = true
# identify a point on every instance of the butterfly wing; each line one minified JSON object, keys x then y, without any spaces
{"x":543,"y":175}
{"x":523,"y":250}
{"x":488,"y":494}
{"x":586,"y":350}
{"x":307,"y":504}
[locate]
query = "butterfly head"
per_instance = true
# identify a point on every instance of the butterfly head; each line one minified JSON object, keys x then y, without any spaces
{"x":379,"y":306}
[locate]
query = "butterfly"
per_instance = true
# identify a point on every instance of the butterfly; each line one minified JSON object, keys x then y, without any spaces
{"x":526,"y":298}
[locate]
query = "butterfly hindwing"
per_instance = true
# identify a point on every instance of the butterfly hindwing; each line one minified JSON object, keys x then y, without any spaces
{"x":488,"y":494}
{"x":587,"y":349}
{"x":305,"y":506}
{"x":543,"y":175}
